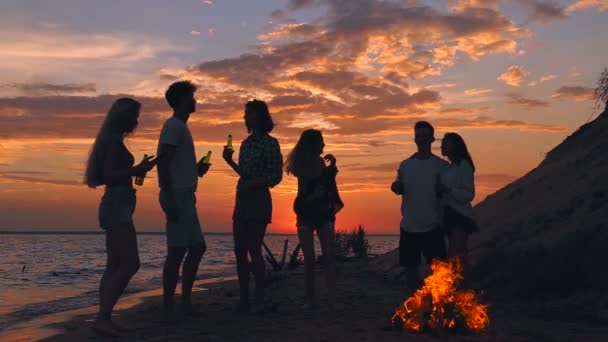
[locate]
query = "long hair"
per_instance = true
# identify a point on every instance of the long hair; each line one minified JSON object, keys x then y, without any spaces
{"x":119,"y":121}
{"x":304,"y":155}
{"x":263,"y":118}
{"x":461,"y":152}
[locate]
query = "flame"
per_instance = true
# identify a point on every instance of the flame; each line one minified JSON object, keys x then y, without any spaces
{"x":439,"y":305}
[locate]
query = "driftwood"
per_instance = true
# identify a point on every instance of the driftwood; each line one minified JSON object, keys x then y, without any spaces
{"x":294,"y":260}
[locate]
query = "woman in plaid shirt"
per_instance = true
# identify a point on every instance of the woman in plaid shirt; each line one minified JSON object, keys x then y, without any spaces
{"x":259,"y":169}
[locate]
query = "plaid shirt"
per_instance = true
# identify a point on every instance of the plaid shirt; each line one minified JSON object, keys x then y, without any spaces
{"x":260,"y":157}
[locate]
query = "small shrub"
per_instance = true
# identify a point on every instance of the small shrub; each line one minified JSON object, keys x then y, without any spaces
{"x":354,"y":243}
{"x":359,"y":243}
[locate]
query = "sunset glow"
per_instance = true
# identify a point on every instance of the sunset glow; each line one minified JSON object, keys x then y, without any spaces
{"x":513,"y":77}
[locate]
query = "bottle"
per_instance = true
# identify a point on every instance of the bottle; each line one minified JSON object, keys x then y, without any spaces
{"x":207,"y":158}
{"x":139,"y":180}
{"x":229,"y":144}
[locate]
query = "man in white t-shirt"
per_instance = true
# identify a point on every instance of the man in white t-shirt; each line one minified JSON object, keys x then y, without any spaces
{"x":420,"y":223}
{"x":178,"y":173}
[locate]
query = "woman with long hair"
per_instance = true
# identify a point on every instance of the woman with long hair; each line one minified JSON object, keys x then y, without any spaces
{"x":316,"y":205}
{"x":457,"y":189}
{"x":259,"y":168}
{"x":111,"y":164}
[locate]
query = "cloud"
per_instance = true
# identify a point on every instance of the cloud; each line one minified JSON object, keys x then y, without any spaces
{"x":211,"y":31}
{"x":299,"y":4}
{"x":519,"y":100}
{"x":541,"y":80}
{"x":602,"y":5}
{"x":195,"y":33}
{"x":208,"y":2}
{"x":37,"y":89}
{"x":40,"y":180}
{"x":477,"y":91}
{"x":67,"y":117}
{"x":543,"y":11}
{"x":577,"y":93}
{"x":513,"y":76}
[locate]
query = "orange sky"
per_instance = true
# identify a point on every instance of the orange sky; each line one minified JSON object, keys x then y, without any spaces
{"x":514,"y":78}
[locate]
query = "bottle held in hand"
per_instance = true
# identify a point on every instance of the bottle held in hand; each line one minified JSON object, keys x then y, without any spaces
{"x":207,"y":158}
{"x":229,"y":143}
{"x":139,"y":180}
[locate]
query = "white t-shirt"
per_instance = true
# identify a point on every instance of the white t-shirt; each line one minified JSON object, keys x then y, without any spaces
{"x":183,"y":168}
{"x":419,"y":204}
{"x":460,"y":179}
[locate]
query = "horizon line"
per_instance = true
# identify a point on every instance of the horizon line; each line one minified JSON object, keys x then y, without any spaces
{"x":101,"y":232}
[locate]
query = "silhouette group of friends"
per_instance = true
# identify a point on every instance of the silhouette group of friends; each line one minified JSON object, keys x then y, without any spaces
{"x":436,"y":202}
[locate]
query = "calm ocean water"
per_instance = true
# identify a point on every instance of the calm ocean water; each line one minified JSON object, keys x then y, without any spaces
{"x":42,"y":274}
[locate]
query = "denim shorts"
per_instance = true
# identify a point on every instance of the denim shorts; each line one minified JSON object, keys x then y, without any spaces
{"x":117,"y":206}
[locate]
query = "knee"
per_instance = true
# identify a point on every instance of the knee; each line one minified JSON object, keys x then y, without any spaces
{"x":240,"y":253}
{"x":132,"y":267}
{"x":197,"y":251}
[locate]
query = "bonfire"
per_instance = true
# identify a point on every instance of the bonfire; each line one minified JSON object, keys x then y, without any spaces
{"x":440,"y":305}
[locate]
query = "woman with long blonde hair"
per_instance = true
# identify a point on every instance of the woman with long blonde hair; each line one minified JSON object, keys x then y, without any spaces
{"x":111,"y":164}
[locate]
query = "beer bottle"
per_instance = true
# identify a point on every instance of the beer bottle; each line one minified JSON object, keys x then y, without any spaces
{"x":139,"y":180}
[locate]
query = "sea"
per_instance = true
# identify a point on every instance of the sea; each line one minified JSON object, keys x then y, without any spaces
{"x":45,"y":273}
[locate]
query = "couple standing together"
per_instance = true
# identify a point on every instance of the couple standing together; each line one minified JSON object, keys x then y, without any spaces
{"x":436,"y":201}
{"x":259,"y":167}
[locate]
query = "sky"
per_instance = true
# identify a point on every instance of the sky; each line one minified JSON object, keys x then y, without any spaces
{"x":514,"y":78}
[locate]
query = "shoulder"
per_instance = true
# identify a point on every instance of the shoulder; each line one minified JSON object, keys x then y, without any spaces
{"x":464,"y":167}
{"x":173,"y":123}
{"x":440,"y":162}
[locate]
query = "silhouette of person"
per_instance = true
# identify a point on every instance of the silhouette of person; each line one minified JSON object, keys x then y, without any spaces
{"x":316,"y":205}
{"x":111,"y":164}
{"x":259,"y":168}
{"x":420,"y":231}
{"x":456,"y":189}
{"x":177,"y":177}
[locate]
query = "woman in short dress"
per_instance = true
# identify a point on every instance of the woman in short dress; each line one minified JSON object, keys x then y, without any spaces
{"x":111,"y":164}
{"x":259,"y":168}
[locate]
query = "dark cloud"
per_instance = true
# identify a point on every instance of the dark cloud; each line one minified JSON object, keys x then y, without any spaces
{"x":36,"y":89}
{"x":519,"y":100}
{"x":299,"y":4}
{"x":578,"y":93}
{"x":544,"y":11}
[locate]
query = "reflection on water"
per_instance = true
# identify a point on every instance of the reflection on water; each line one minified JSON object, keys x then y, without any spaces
{"x":41,"y":274}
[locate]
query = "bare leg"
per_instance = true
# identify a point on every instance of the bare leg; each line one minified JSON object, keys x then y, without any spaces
{"x":256,"y":232}
{"x":327,"y":237}
{"x":170,"y":275}
{"x":123,"y":263}
{"x":239,"y":231}
{"x":306,"y":237}
{"x":189,"y":270}
{"x":457,"y":247}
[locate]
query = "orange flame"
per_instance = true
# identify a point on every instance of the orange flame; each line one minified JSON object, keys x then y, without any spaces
{"x":439,"y":305}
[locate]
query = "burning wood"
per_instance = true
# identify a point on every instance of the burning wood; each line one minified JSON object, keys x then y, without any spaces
{"x":439,"y":305}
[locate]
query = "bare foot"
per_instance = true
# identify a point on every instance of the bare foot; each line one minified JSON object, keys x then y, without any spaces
{"x":105,"y":327}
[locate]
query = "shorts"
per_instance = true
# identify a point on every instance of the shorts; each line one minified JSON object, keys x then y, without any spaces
{"x":431,"y":244}
{"x":318,"y":227}
{"x":253,"y":206}
{"x":186,"y":230}
{"x":452,"y":218}
{"x":117,"y":206}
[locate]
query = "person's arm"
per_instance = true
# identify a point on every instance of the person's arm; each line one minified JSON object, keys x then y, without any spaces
{"x":397,"y":185}
{"x":227,"y":155}
{"x":273,"y":170}
{"x":114,"y":170}
{"x":464,"y":190}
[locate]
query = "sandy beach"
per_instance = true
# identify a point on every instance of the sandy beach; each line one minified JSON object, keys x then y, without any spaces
{"x":369,"y":292}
